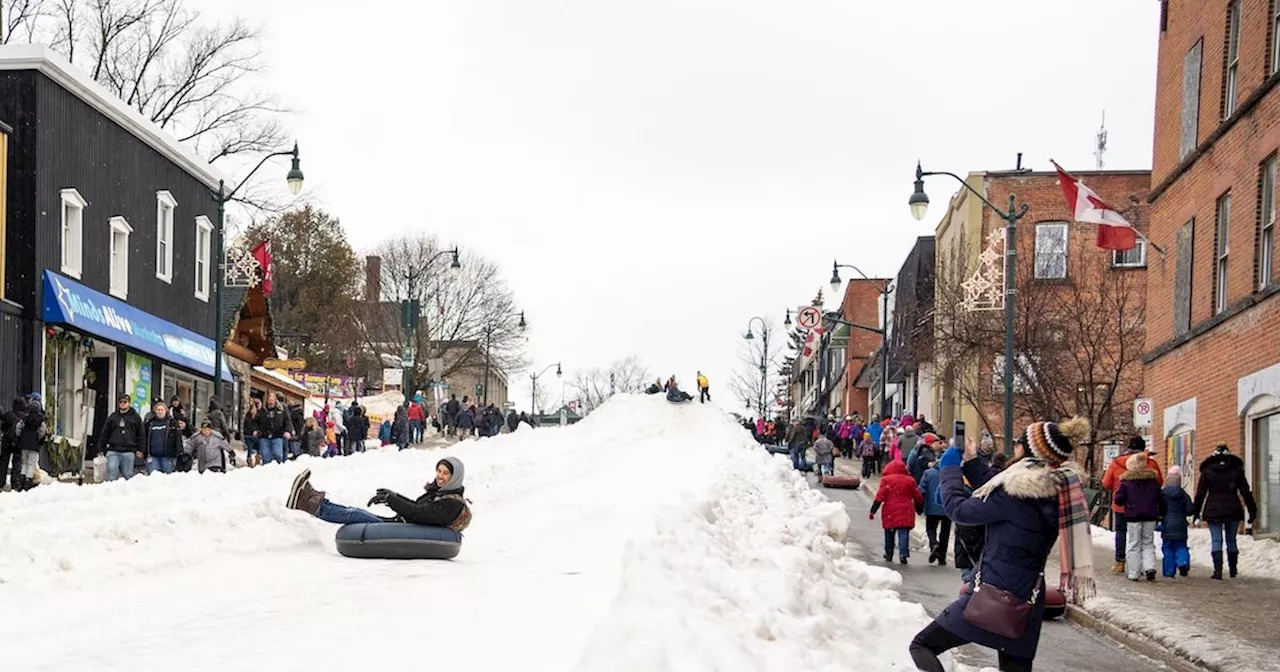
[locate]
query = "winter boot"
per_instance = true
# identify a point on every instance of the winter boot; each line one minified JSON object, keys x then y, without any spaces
{"x":309,"y":499}
{"x":1217,"y":564}
{"x":888,"y":556}
{"x":1151,"y":575}
{"x":1233,"y":558}
{"x":1118,"y":568}
{"x":1184,"y":569}
{"x":299,"y":482}
{"x":903,"y":559}
{"x":933,"y":555}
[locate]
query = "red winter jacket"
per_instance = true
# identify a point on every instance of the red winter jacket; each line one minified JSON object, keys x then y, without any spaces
{"x":899,"y":496}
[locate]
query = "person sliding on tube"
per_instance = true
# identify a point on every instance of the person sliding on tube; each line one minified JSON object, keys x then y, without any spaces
{"x":675,"y":394}
{"x":655,"y":388}
{"x":442,"y":505}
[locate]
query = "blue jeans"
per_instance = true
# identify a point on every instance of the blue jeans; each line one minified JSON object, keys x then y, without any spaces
{"x":119,"y":464}
{"x":966,"y":575}
{"x":164,"y":465}
{"x":342,"y":515}
{"x":1216,"y":533}
{"x":903,"y":535}
{"x":797,"y":454}
{"x":1121,"y":528}
{"x":295,"y":447}
{"x":272,"y":450}
{"x":1176,"y":554}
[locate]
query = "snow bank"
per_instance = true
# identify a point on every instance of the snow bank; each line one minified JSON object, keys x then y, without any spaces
{"x":753,"y":575}
{"x":1258,"y":557}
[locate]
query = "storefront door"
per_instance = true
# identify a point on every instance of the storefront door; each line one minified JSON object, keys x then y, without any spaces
{"x":1266,"y":471}
{"x":103,"y":401}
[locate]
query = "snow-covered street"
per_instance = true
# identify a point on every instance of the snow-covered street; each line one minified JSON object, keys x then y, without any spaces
{"x":647,"y":537}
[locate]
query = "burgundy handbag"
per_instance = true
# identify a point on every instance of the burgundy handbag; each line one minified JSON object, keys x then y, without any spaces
{"x":999,"y":611}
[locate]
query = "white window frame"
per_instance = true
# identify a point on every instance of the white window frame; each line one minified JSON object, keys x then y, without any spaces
{"x":1221,"y":252}
{"x":1275,"y":39}
{"x":1267,"y":228}
{"x":1039,"y":249}
{"x":166,"y":209}
{"x":1233,"y":59}
{"x":118,"y":260}
{"x":204,"y":233}
{"x":72,"y":233}
{"x":1119,"y":258}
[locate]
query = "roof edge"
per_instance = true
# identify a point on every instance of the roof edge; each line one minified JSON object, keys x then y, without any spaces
{"x":44,"y":60}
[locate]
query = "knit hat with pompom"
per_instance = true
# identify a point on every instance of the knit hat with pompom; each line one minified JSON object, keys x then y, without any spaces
{"x":1055,"y":442}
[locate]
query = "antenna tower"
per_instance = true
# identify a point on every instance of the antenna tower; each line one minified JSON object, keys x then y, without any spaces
{"x":1101,"y":146}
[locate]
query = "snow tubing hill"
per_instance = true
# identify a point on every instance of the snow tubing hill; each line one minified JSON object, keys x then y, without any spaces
{"x":397,"y":541}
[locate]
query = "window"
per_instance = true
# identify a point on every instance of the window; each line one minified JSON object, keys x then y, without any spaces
{"x":120,"y":231}
{"x":1051,"y":251}
{"x":1182,"y":278}
{"x":1275,"y":38}
{"x":1232,"y":80}
{"x":204,"y":243}
{"x":165,"y":205}
{"x":73,"y":205}
{"x":1265,"y":255}
{"x":1190,"y":100}
{"x":1134,"y":258}
{"x":1220,"y":250}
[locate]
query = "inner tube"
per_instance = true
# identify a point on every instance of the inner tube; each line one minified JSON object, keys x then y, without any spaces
{"x":397,"y":541}
{"x":845,"y":482}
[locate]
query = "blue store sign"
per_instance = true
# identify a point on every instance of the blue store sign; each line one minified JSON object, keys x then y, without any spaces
{"x":71,"y":303}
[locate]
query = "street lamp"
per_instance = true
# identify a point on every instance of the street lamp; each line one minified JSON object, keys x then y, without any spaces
{"x":488,"y":340}
{"x":787,"y":322}
{"x":764,"y":358}
{"x":919,"y":203}
{"x":410,"y":310}
{"x":533,"y":389}
{"x":883,"y":330}
{"x":522,"y":324}
{"x":221,"y":197}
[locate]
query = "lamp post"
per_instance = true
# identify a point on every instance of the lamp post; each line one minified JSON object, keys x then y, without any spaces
{"x":919,"y":203}
{"x":221,"y":197}
{"x":883,"y":330}
{"x":409,"y":312}
{"x":764,"y":358}
{"x":488,"y":338}
{"x":533,"y":389}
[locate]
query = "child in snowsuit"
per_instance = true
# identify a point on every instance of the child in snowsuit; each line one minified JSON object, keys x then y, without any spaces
{"x":1173,"y":528}
{"x":867,"y":451}
{"x":824,"y":455}
{"x":901,"y":500}
{"x":1139,"y":494}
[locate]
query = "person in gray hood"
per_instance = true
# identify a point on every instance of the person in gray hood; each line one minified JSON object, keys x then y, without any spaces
{"x":442,"y":504}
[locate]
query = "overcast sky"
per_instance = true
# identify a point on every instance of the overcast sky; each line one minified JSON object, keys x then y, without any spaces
{"x":650,"y":174}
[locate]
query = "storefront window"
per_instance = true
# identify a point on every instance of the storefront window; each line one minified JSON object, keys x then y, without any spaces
{"x":193,"y":392}
{"x":1266,"y":470}
{"x":65,"y":384}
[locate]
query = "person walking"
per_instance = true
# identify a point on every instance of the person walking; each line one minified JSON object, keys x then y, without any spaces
{"x":937,"y":524}
{"x":704,"y":389}
{"x":1220,"y":492}
{"x":1035,"y":502}
{"x":1111,"y":481}
{"x":1139,"y":494}
{"x":121,"y":439}
{"x":901,"y":500}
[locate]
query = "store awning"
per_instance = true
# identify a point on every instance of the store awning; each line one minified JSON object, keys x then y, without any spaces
{"x":92,"y":312}
{"x":279,"y":382}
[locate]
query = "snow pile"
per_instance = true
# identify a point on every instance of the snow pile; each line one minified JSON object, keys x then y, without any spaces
{"x":753,"y":576}
{"x":1258,"y":557}
{"x":745,"y":572}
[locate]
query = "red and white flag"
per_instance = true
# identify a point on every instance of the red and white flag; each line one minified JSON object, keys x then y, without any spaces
{"x":1114,"y":231}
{"x":814,"y":334}
{"x":263,"y":254}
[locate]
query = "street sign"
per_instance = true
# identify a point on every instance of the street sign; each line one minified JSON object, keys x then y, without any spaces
{"x":1142,"y":412}
{"x":406,"y":358}
{"x":296,"y":363}
{"x":808,"y":317}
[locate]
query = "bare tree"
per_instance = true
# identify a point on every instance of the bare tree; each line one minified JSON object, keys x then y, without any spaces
{"x":467,"y":316}
{"x":756,"y":357}
{"x":594,"y":386}
{"x":543,"y":399}
{"x":196,"y":79}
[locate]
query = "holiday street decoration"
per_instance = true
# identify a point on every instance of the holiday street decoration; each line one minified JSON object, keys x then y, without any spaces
{"x":984,"y":290}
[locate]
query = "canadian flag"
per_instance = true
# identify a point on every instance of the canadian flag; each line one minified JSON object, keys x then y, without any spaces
{"x":1114,"y":231}
{"x":814,"y":334}
{"x":263,"y":254}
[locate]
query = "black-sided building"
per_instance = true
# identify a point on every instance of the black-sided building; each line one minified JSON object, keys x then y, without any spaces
{"x":109,"y":249}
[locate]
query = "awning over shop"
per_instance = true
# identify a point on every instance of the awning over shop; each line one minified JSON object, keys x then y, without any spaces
{"x":92,"y":312}
{"x":279,"y":382}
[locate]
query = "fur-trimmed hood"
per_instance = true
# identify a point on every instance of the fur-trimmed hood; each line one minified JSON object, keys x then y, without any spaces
{"x":1025,"y":479}
{"x":1136,"y":468}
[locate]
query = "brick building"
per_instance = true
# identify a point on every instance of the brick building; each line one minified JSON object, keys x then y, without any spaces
{"x":1213,"y":329}
{"x":1079,"y":326}
{"x":857,"y":347}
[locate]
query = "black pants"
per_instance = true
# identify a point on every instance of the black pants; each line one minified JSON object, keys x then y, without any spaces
{"x":868,"y":463}
{"x":704,"y":395}
{"x":935,"y":640}
{"x":6,"y":471}
{"x":938,"y":543}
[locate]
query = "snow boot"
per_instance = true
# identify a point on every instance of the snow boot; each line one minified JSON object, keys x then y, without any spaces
{"x":1184,"y":569}
{"x":1233,"y":558}
{"x":1151,"y":575}
{"x":888,"y":556}
{"x":1118,"y":568}
{"x":1217,"y":564}
{"x":302,"y":479}
{"x":310,"y":499}
{"x":903,"y":560}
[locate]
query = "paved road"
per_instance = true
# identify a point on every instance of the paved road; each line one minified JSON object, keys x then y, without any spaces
{"x":1064,"y":647}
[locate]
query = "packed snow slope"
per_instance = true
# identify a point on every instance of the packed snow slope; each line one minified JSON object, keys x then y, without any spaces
{"x":650,"y":536}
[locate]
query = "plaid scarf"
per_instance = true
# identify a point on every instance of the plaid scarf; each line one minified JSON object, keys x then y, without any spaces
{"x":1074,"y":547}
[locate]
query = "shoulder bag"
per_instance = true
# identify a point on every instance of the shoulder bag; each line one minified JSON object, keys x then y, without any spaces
{"x":997,"y":610}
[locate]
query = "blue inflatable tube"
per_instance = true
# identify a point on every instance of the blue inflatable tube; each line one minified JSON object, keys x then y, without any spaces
{"x":397,"y":541}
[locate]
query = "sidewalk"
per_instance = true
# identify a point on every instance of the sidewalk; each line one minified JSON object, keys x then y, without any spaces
{"x":1226,"y":625}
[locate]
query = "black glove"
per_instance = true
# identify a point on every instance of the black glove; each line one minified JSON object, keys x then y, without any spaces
{"x":381,"y":497}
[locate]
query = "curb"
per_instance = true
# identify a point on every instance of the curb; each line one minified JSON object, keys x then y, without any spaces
{"x":1138,"y":642}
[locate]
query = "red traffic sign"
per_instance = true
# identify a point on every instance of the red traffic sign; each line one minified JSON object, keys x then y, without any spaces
{"x":809,"y":317}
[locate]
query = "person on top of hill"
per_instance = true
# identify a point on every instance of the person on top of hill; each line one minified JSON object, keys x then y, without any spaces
{"x":704,"y":389}
{"x":442,"y":504}
{"x":675,"y":394}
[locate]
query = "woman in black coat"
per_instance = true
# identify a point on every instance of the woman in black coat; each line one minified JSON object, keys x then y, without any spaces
{"x":1220,"y":490}
{"x":1022,"y":512}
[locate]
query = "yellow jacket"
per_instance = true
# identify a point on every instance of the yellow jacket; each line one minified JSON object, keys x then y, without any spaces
{"x":702,"y":382}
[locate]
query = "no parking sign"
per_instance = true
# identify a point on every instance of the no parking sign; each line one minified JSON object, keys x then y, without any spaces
{"x":1142,"y":412}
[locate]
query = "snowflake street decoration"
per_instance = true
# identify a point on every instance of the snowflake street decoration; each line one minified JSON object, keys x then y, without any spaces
{"x":984,"y":290}
{"x":243,"y":269}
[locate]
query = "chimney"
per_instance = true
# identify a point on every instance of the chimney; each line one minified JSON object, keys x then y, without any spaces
{"x":373,"y":278}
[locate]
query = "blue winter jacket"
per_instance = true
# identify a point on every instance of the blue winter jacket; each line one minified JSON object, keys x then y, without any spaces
{"x":931,"y":488}
{"x":1021,"y":519}
{"x":1177,"y":508}
{"x":875,"y":429}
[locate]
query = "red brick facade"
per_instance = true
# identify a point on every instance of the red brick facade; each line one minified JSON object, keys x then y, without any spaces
{"x":1213,"y":371}
{"x":861,"y":305}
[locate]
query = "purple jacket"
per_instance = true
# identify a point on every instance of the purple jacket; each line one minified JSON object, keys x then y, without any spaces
{"x":1139,"y":494}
